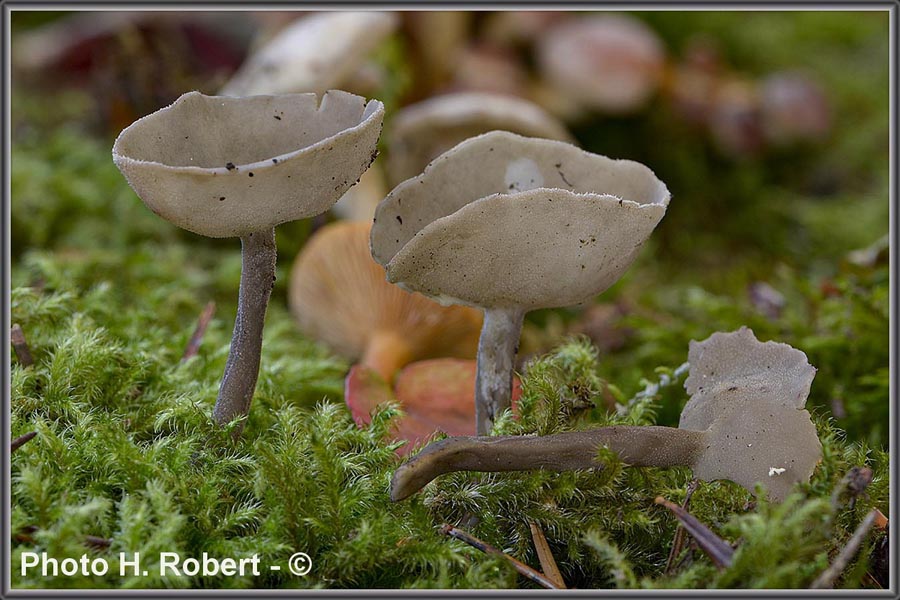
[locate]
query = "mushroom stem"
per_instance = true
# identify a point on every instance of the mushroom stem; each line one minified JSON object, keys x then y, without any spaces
{"x":258,"y":256}
{"x":639,"y":446}
{"x":497,"y":349}
{"x":386,"y":353}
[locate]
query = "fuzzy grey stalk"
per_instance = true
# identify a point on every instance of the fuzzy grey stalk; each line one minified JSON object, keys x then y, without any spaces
{"x":497,"y":348}
{"x":258,"y":256}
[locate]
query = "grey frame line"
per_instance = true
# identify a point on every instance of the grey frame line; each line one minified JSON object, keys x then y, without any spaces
{"x":894,"y":270}
{"x":891,"y":6}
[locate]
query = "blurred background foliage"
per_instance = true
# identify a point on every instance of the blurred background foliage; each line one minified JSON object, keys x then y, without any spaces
{"x":788,"y":238}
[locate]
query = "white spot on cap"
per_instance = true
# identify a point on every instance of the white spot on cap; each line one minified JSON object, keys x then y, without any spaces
{"x":523,"y":174}
{"x":775,"y":471}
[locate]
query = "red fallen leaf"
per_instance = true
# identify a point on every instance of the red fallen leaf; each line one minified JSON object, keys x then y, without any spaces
{"x":364,"y":389}
{"x":80,"y":44}
{"x":436,"y":395}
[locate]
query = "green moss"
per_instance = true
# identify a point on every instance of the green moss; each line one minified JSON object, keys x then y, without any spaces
{"x":126,"y":450}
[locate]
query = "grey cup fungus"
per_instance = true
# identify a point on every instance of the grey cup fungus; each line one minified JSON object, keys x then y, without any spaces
{"x":226,"y":167}
{"x":422,"y":131}
{"x":745,"y":422}
{"x":510,"y":224}
{"x":748,"y":397}
{"x":238,"y":167}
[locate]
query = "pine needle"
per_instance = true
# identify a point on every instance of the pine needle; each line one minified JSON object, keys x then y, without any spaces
{"x":520,"y":567}
{"x":826,"y":579}
{"x":548,"y":563}
{"x":193,"y":345}
{"x":714,"y":546}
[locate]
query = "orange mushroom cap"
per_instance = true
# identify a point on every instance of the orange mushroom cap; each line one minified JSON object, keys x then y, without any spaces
{"x":339,"y":295}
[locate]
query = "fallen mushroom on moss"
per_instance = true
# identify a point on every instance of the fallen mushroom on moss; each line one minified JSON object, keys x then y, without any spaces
{"x":238,"y":167}
{"x":510,"y":224}
{"x":745,"y":422}
{"x":339,"y":295}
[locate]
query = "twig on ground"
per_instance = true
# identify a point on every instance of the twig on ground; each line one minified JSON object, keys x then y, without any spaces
{"x":714,"y":546}
{"x":20,"y":441}
{"x":548,"y":563}
{"x":678,"y":540}
{"x":826,"y":579}
{"x":688,"y":558}
{"x":193,"y":345}
{"x":522,"y":568}
{"x":23,"y":352}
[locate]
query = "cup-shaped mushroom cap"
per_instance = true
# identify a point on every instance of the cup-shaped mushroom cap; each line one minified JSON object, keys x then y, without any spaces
{"x":420,"y":132}
{"x":312,"y":54}
{"x":749,"y":397}
{"x":760,"y":440}
{"x":226,"y":167}
{"x":507,"y":221}
{"x":725,"y":362}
